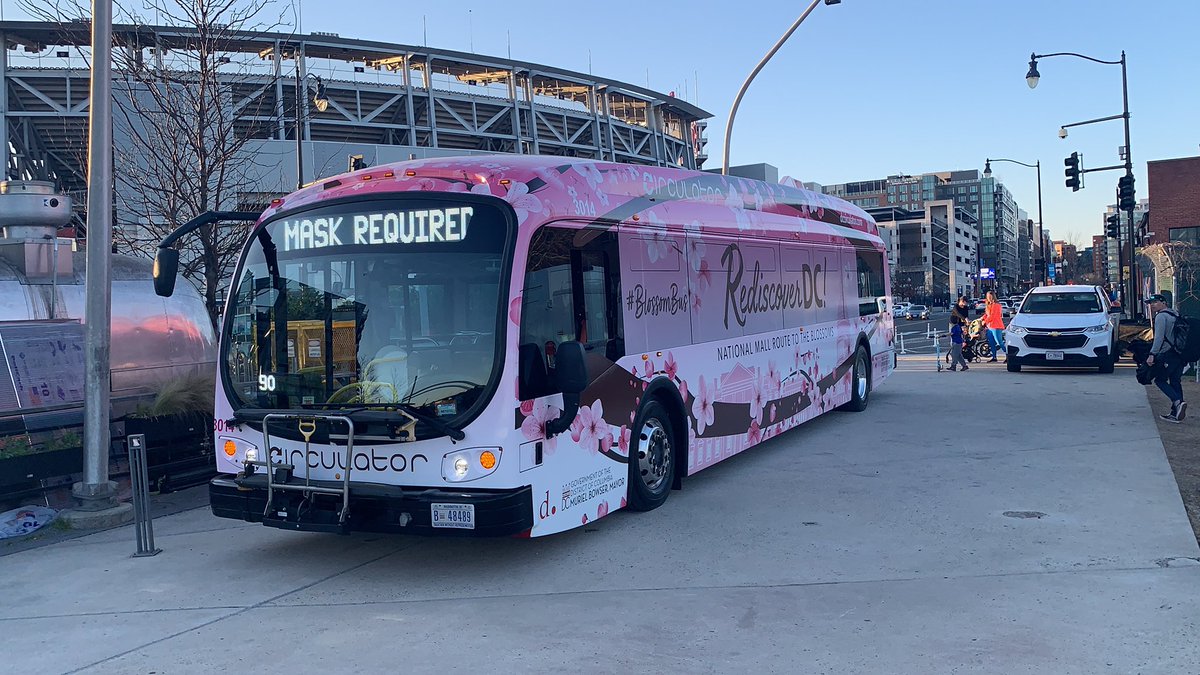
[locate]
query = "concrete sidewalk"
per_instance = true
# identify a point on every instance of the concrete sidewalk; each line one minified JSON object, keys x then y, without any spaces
{"x":979,"y":522}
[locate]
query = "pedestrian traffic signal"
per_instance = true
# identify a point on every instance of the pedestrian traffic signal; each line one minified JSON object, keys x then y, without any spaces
{"x":1113,"y":227}
{"x":1073,"y":172}
{"x":1125,"y":193}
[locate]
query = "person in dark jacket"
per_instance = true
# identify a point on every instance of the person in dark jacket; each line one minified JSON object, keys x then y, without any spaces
{"x":1169,"y":370}
{"x":961,"y":312}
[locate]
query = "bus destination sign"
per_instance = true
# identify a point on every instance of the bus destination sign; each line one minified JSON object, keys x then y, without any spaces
{"x":379,"y":227}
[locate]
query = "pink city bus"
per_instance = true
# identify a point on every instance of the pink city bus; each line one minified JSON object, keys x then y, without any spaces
{"x":516,"y":345}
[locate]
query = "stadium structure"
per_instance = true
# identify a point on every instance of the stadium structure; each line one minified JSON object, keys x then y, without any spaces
{"x":386,"y":102}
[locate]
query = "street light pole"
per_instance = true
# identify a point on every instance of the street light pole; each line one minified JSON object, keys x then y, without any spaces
{"x":1032,"y":78}
{"x":746,"y":85}
{"x":987,"y":171}
{"x":319,"y":100}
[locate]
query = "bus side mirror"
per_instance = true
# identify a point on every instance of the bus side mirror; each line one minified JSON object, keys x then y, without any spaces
{"x":166,"y":266}
{"x":571,"y":373}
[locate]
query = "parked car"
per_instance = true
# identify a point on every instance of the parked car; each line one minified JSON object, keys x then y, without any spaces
{"x":1064,"y":326}
{"x":900,"y":308}
{"x":917,"y":312}
{"x":1005,"y":308}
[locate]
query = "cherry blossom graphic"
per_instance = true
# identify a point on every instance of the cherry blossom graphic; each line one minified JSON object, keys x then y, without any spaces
{"x":602,"y":510}
{"x":657,"y":247}
{"x":774,"y":380}
{"x":590,"y":430}
{"x":669,"y":366}
{"x":514,"y":311}
{"x":590,"y":173}
{"x":695,"y":302}
{"x":522,"y":201}
{"x":702,"y":407}
{"x":702,"y":277}
{"x":754,"y":433}
{"x":757,"y":400}
{"x":623,"y":436}
{"x":683,"y":390}
{"x":773,"y":411}
{"x":534,"y":426}
{"x":624,"y":502}
{"x":527,"y":408}
{"x":585,"y":519}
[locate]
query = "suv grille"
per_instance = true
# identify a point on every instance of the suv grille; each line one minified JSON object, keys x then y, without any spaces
{"x":1056,"y":342}
{"x":1054,"y":330}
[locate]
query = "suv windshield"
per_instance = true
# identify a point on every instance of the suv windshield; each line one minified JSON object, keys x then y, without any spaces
{"x":1066,"y":302}
{"x":392,"y":300}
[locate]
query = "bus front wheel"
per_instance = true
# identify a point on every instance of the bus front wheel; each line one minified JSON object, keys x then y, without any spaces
{"x":651,"y":458}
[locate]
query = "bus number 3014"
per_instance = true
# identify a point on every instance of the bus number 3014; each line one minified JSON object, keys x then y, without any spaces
{"x":266,"y":383}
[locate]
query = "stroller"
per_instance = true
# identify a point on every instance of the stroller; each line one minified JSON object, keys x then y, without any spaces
{"x":975,"y":344}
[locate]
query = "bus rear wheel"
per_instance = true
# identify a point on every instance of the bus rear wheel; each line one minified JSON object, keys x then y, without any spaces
{"x":651,"y":458}
{"x":860,"y":384}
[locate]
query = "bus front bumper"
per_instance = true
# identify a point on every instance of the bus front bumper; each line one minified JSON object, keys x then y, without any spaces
{"x":374,"y":507}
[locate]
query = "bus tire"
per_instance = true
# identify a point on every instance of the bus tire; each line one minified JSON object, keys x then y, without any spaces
{"x":652,"y":457}
{"x":860,"y":382}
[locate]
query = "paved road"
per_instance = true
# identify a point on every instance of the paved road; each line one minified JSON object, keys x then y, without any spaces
{"x":885,"y":541}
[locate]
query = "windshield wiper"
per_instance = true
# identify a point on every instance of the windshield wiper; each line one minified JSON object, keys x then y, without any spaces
{"x":413,"y":411}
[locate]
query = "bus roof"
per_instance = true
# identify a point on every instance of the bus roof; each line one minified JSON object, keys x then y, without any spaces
{"x":601,"y":191}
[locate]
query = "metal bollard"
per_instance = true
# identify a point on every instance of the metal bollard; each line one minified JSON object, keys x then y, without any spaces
{"x":139,"y":476}
{"x":902,"y":349}
{"x":937,"y":350}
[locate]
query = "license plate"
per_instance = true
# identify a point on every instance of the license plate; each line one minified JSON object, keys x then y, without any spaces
{"x":458,"y":516}
{"x":1054,"y":356}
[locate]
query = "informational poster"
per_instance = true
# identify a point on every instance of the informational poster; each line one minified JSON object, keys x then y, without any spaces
{"x":45,"y":363}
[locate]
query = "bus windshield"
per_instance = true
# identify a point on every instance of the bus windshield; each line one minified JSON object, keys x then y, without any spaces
{"x":387,"y":301}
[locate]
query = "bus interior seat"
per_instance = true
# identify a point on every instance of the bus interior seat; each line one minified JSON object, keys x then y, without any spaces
{"x":532,"y":373}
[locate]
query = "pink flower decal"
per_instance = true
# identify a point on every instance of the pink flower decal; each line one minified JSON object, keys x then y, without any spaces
{"x":514,"y":311}
{"x":774,"y":381}
{"x":534,"y":426}
{"x":590,"y":430}
{"x":757,"y":400}
{"x":670,"y":366}
{"x":585,"y":519}
{"x":624,"y":502}
{"x":527,"y":408}
{"x":522,"y":201}
{"x":703,"y":277}
{"x":754,"y":434}
{"x":602,"y":510}
{"x":702,"y":407}
{"x":623,"y":436}
{"x":683,"y":390}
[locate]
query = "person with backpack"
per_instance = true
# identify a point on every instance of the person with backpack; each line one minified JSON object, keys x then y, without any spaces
{"x":1172,"y":336}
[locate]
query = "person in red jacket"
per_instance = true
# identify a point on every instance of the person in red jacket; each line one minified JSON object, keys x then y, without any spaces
{"x":993,"y":319}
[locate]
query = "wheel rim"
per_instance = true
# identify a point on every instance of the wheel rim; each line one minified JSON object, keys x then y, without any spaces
{"x":860,"y":377}
{"x":654,"y":454}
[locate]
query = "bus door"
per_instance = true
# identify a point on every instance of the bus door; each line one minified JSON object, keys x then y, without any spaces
{"x":572,"y":291}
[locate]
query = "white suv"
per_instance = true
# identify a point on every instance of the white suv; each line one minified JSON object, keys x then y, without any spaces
{"x":1063,"y":326}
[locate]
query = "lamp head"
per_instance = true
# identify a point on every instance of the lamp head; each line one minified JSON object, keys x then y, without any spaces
{"x":1062,"y":132}
{"x":987,"y":169}
{"x":320,"y":100}
{"x":1031,"y":78}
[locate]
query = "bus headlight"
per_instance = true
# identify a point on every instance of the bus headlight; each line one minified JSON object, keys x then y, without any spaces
{"x":470,"y":464}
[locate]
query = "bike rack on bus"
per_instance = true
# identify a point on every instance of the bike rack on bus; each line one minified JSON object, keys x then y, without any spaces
{"x":306,"y":424}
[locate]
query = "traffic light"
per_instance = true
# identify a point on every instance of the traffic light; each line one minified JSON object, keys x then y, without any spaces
{"x":1113,"y":227}
{"x":1073,"y":172}
{"x":356,"y":163}
{"x":1125,"y":193}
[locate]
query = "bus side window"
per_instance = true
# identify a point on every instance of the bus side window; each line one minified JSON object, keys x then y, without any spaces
{"x":869,"y":269}
{"x":571,"y":292}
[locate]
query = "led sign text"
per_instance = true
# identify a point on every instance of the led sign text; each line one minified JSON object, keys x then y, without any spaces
{"x":390,"y":227}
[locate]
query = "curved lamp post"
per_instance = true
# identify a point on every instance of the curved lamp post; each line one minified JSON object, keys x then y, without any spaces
{"x":320,"y":101}
{"x":1031,"y":78}
{"x":746,"y":85}
{"x":987,"y":172}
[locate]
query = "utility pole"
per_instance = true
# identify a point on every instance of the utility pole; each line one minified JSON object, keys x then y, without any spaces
{"x":96,"y":495}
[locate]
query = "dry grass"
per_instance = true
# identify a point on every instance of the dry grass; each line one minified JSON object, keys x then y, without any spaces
{"x":192,"y":394}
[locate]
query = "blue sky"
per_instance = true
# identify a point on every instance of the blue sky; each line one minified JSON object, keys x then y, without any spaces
{"x":866,"y":88}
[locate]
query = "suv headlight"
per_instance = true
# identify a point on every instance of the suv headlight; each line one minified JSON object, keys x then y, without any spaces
{"x":1017,"y":330}
{"x":470,"y":464}
{"x":1102,"y":328}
